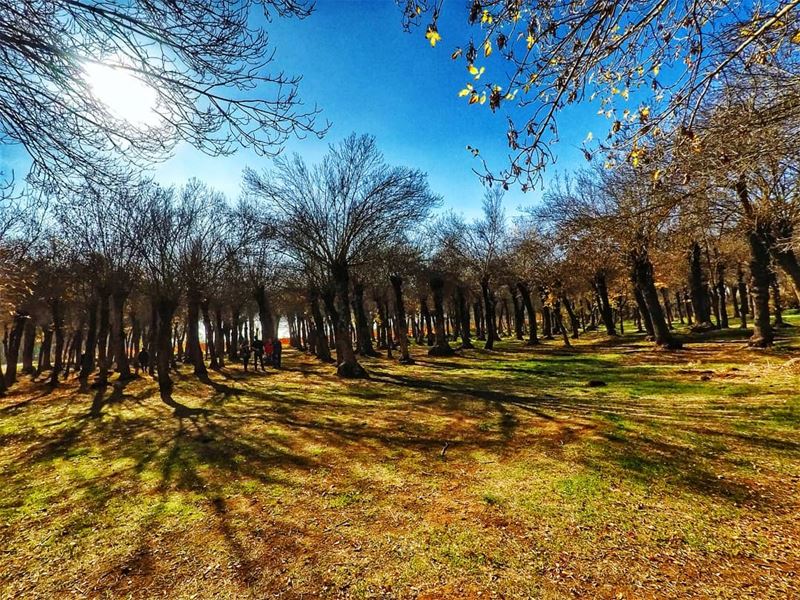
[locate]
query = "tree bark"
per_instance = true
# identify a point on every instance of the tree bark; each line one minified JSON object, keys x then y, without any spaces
{"x":321,"y":347}
{"x":489,"y":312}
{"x":348,"y":365}
{"x":219,"y":329}
{"x":441,"y":347}
{"x":400,"y":315}
{"x":525,"y":293}
{"x":14,"y":341}
{"x":723,"y":307}
{"x":362,"y":326}
{"x":463,"y":314}
{"x":58,"y":330}
{"x":697,"y":287}
{"x":28,"y":346}
{"x":759,"y":271}
{"x":193,"y":299}
{"x":645,"y":282}
{"x":102,"y":339}
{"x":45,"y":350}
{"x":265,"y":311}
{"x":600,"y":285}
{"x":119,"y":297}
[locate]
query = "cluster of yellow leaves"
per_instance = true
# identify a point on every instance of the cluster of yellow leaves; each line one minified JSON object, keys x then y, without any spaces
{"x":636,"y":155}
{"x":486,"y":17}
{"x":475,"y":71}
{"x":474,"y":96}
{"x":531,"y":80}
{"x":480,"y":98}
{"x":432,"y":34}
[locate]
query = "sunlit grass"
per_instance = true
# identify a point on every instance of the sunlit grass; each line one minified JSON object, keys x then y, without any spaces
{"x":498,"y":472}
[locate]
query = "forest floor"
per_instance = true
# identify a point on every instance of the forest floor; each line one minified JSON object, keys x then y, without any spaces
{"x":499,"y":474}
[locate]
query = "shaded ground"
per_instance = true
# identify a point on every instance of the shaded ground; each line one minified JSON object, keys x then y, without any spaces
{"x":496,"y":474}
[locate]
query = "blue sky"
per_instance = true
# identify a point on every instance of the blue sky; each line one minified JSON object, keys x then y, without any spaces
{"x":369,"y":76}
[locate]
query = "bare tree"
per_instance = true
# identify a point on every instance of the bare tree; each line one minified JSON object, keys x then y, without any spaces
{"x":544,"y":56}
{"x":201,"y":59}
{"x":340,"y":213}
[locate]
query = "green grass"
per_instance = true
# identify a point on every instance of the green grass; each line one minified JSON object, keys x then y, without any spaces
{"x":679,"y":478}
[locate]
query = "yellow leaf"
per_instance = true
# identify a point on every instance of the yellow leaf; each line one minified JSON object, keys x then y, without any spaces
{"x":473,"y":70}
{"x":486,"y":17}
{"x":487,"y":47}
{"x":656,"y":69}
{"x":796,"y":38}
{"x":479,"y":72}
{"x":483,"y":98}
{"x":456,"y":53}
{"x":465,"y":91}
{"x":624,"y":93}
{"x":433,"y":35}
{"x":531,"y":41}
{"x":474,"y":98}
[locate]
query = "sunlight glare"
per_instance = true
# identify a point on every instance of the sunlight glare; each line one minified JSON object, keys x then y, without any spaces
{"x":126,"y":97}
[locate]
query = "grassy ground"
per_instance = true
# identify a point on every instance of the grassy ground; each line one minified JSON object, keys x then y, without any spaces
{"x":679,"y":478}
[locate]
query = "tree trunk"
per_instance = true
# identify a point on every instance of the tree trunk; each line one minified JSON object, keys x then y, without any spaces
{"x":600,"y":285}
{"x":643,"y":274}
{"x":643,"y":313}
{"x":193,"y":349}
{"x":45,"y":350}
{"x":166,"y":308}
{"x":211,"y":349}
{"x":525,"y":293}
{"x":362,"y":326}
{"x":321,"y":347}
{"x":723,"y":307}
{"x":58,"y":330}
{"x":426,"y":320}
{"x":742,"y":288}
{"x":480,"y":331}
{"x":759,"y":286}
{"x":265,"y":311}
{"x":489,"y":312}
{"x":463,"y":314}
{"x":776,"y":302}
{"x":400,"y":315}
{"x":697,"y":287}
{"x":547,"y":317}
{"x":348,"y":365}
{"x":667,"y":306}
{"x":14,"y":341}
{"x":573,"y":320}
{"x":102,"y":339}
{"x":220,"y":337}
{"x":118,"y":334}
{"x":519,"y":312}
{"x":28,"y":346}
{"x":441,"y":347}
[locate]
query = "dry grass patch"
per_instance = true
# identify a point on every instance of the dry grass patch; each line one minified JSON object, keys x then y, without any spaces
{"x":679,"y":478}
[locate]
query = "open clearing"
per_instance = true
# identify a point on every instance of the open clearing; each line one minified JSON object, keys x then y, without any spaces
{"x":498,"y":474}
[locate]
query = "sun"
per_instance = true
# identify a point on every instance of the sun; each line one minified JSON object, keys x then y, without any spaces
{"x":126,"y":97}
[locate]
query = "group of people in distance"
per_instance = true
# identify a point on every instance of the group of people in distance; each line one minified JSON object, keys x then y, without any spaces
{"x":267,"y":352}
